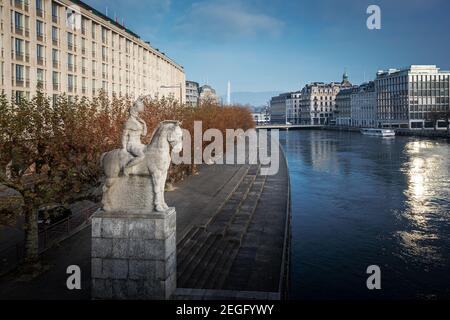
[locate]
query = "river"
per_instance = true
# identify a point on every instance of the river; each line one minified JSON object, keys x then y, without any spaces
{"x":359,"y":201}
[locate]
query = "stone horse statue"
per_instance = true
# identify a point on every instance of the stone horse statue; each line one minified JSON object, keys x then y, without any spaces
{"x":142,"y":188}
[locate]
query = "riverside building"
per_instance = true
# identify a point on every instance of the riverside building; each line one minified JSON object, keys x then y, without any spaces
{"x":363,"y":106}
{"x":278,"y":109}
{"x":293,"y":107}
{"x":318,"y":101}
{"x":416,"y":97}
{"x":69,"y":47}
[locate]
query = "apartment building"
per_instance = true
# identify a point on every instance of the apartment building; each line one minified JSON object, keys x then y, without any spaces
{"x":363,"y":106}
{"x":192,"y":93}
{"x":69,"y":47}
{"x":318,"y":101}
{"x":293,"y":107}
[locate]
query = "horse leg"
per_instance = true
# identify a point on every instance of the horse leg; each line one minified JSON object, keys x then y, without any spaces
{"x":158,"y":200}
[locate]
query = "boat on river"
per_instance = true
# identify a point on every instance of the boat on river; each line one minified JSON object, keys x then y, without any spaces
{"x":378,"y":132}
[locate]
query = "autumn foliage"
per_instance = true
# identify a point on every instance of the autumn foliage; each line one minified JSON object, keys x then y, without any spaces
{"x":49,"y":152}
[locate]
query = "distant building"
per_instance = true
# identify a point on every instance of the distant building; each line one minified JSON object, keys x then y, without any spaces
{"x":342,"y":112}
{"x":192,"y":93}
{"x":207,"y":93}
{"x":416,"y":97}
{"x":278,"y":114}
{"x":261,"y":117}
{"x":318,"y":101}
{"x":363,"y":106}
{"x":293,"y":107}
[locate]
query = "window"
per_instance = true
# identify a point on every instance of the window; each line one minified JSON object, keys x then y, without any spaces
{"x":94,"y":27}
{"x":70,"y":61}
{"x":70,"y":82}
{"x":55,"y":11}
{"x":18,"y":46}
{"x":18,"y":20}
{"x":55,"y":80}
{"x":70,"y":40}
{"x":39,"y":8}
{"x":39,"y":29}
{"x":19,"y":72}
{"x":40,"y":77}
{"x":40,"y":53}
{"x":55,"y":34}
{"x":104,"y":35}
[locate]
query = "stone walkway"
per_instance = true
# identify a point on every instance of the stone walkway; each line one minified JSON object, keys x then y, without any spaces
{"x":230,"y":229}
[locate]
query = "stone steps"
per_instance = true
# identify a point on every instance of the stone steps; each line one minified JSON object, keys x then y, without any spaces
{"x":238,"y":227}
{"x":185,"y":278}
{"x":206,"y":254}
{"x":190,"y":249}
{"x":220,"y":221}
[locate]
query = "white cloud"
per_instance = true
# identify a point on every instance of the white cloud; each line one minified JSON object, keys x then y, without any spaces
{"x":227,"y":19}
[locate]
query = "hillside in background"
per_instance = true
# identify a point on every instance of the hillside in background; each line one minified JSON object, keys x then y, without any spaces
{"x":255,"y":99}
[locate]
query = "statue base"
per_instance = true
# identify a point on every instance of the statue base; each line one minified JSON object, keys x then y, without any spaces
{"x":134,"y":255}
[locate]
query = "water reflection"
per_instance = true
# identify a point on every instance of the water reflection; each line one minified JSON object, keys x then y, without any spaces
{"x":426,"y":196}
{"x":358,"y":200}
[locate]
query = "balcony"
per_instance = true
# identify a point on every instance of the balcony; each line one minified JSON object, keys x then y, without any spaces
{"x":55,"y":19}
{"x":55,"y":86}
{"x":55,"y":64}
{"x":55,"y":42}
{"x":83,"y":31}
{"x":40,"y":61}
{"x":104,"y":75}
{"x":21,"y":82}
{"x":93,"y":54}
{"x":83,"y":50}
{"x":39,"y":12}
{"x":21,"y":4}
{"x":71,"y":47}
{"x":83,"y":90}
{"x":40,"y":37}
{"x":71,"y":67}
{"x":83,"y":70}
{"x":71,"y":88}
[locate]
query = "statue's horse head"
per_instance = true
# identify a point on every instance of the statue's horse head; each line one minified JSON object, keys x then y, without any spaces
{"x":171,"y":130}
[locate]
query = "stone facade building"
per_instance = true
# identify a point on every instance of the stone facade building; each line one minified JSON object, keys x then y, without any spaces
{"x":416,"y":97}
{"x":363,"y":106}
{"x":69,"y":47}
{"x":318,"y":101}
{"x":293,"y":108}
{"x":207,"y":93}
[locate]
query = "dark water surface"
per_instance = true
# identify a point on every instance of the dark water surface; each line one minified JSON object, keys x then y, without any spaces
{"x":360,"y":201}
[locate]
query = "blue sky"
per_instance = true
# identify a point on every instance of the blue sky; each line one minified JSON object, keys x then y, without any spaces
{"x":277,"y":45}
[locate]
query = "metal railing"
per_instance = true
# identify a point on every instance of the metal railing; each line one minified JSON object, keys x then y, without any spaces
{"x":49,"y":235}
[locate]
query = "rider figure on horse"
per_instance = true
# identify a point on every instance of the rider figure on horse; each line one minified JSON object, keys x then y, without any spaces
{"x":134,"y":129}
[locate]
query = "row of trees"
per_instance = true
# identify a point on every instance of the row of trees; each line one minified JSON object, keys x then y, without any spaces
{"x":49,"y":152}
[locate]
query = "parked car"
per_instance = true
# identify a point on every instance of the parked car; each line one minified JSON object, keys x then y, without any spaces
{"x":51,"y":214}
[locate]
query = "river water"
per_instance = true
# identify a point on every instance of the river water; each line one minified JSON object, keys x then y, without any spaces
{"x":359,"y":201}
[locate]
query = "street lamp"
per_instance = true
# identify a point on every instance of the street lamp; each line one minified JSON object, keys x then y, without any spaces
{"x":178,"y":86}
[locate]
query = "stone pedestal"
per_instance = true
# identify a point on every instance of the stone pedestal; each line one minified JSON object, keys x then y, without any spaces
{"x":134,"y":255}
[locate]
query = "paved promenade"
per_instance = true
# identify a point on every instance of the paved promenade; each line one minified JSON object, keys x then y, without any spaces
{"x":230,"y":231}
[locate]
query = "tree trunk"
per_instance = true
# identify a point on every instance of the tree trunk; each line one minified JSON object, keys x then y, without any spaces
{"x":31,"y":233}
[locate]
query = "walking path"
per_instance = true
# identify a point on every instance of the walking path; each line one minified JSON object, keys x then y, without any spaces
{"x":231,"y":231}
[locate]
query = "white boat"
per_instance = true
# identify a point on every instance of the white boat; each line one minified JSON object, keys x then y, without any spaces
{"x":378,"y":132}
